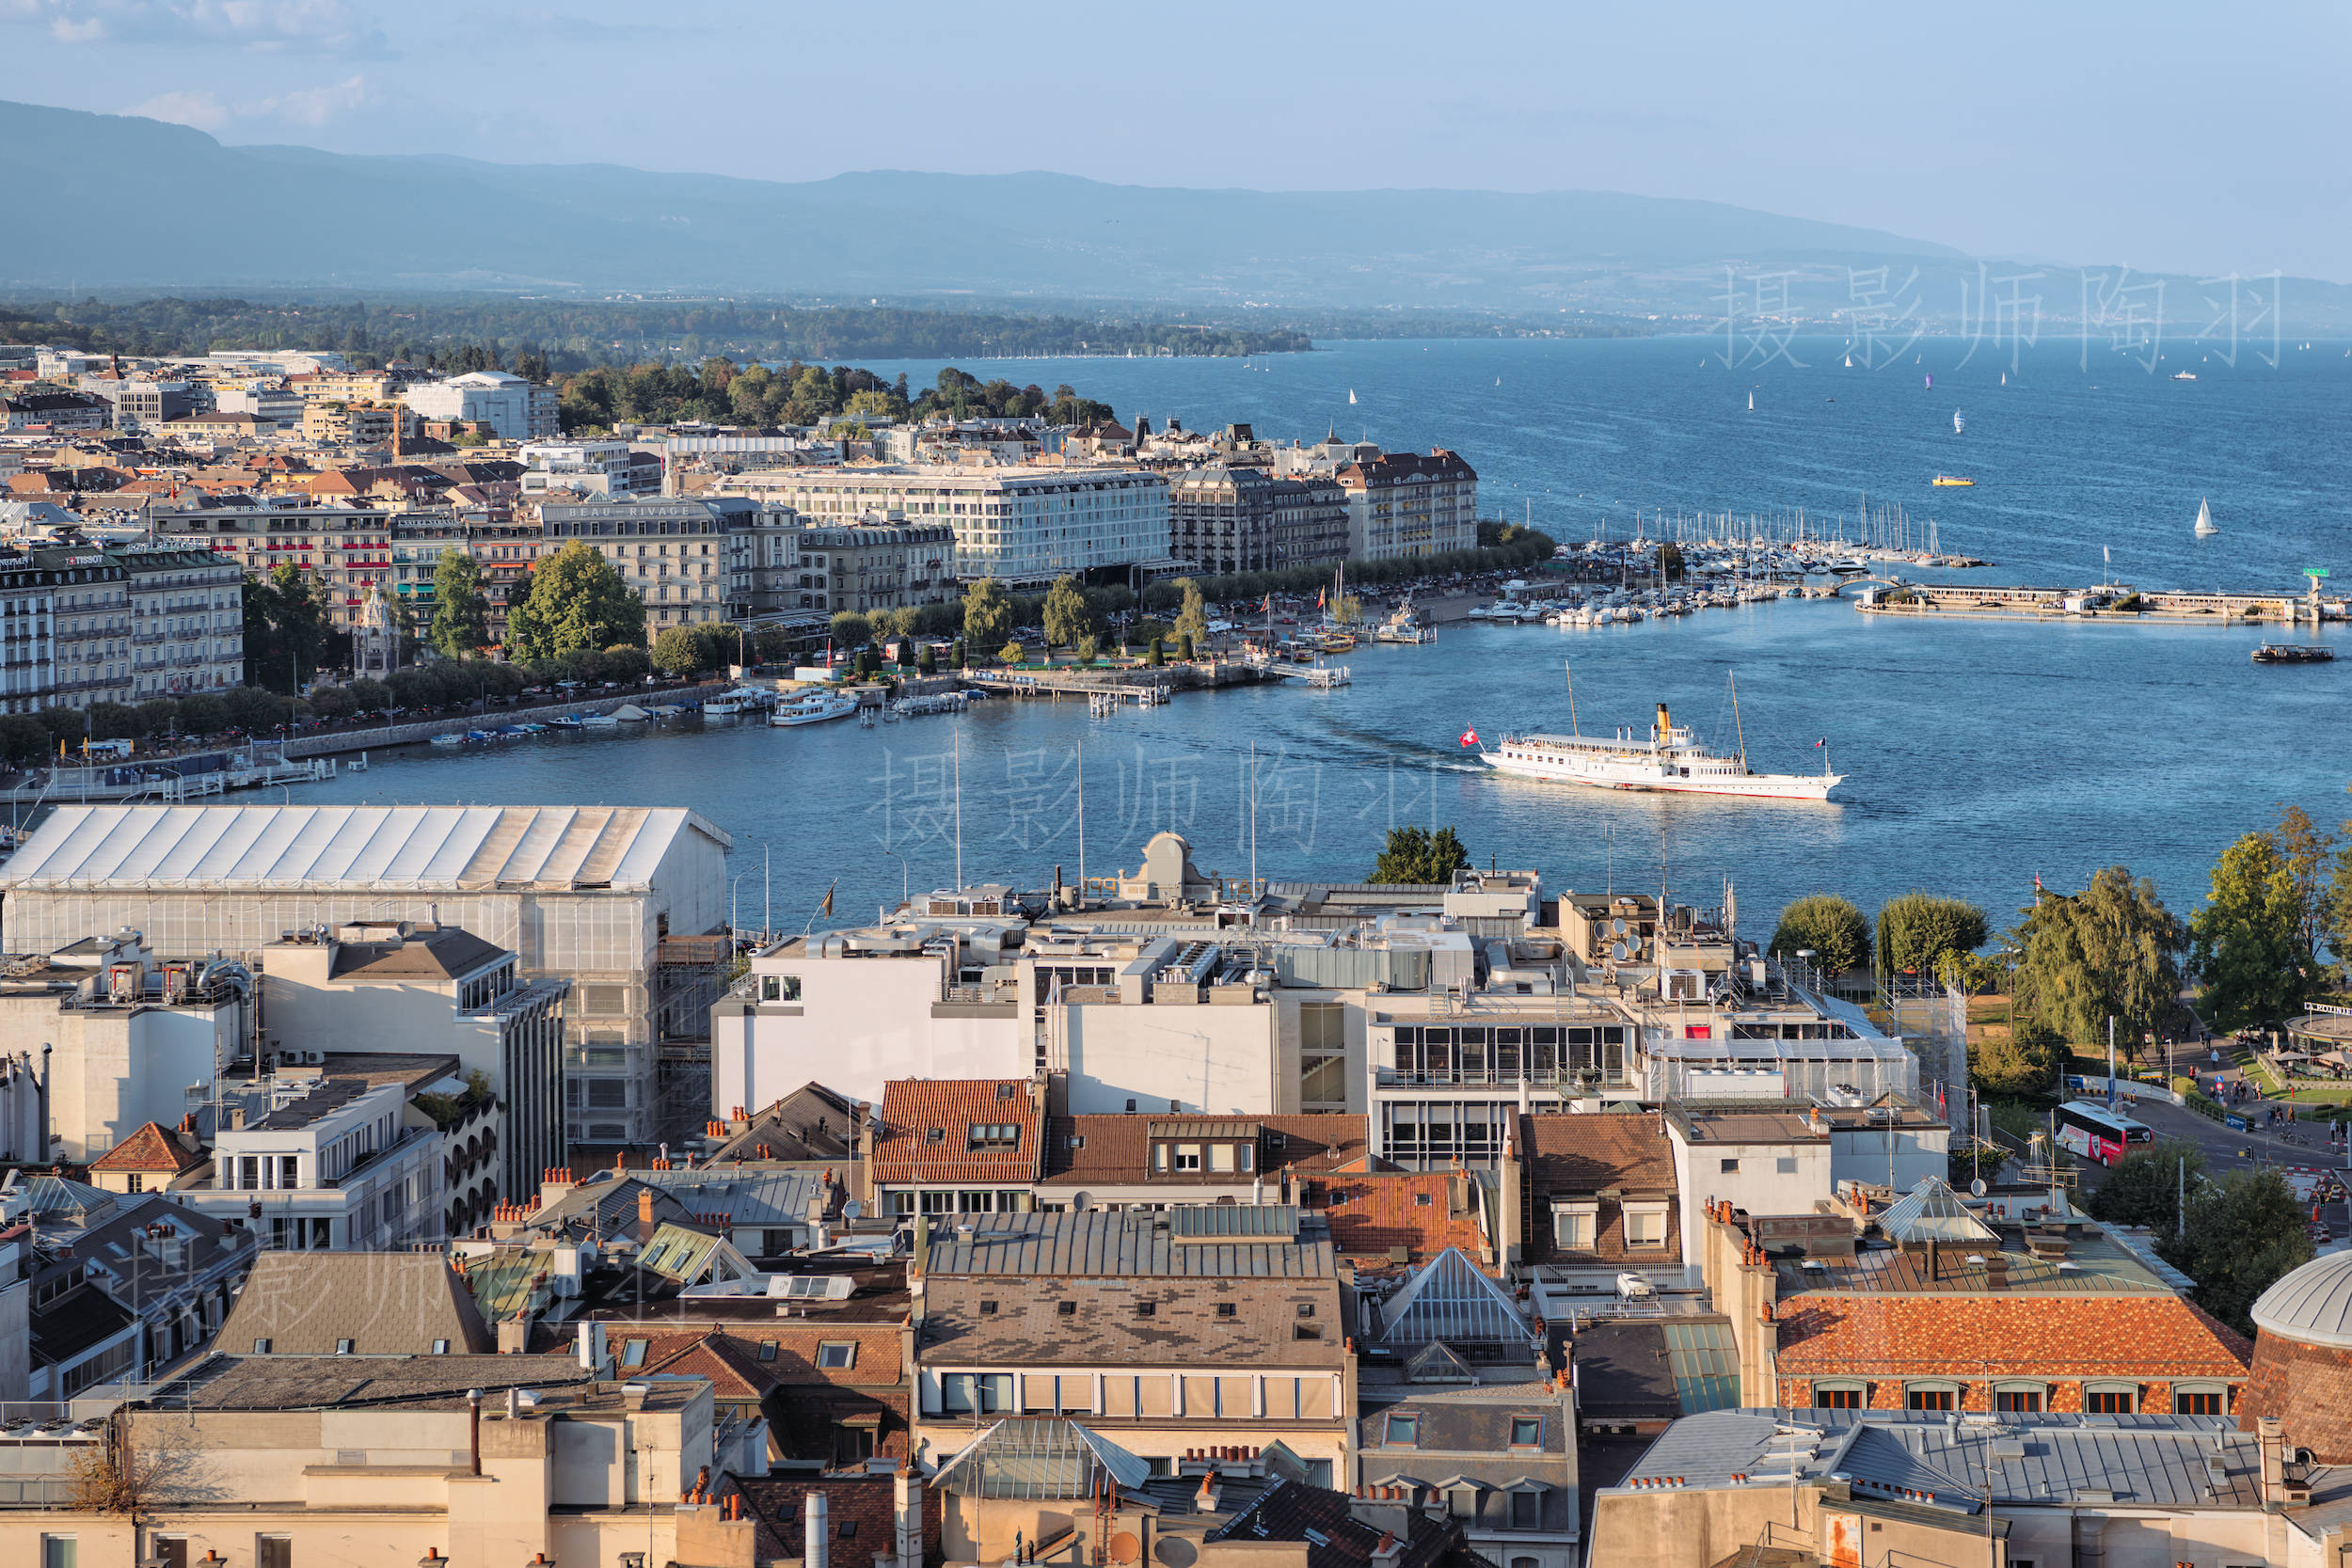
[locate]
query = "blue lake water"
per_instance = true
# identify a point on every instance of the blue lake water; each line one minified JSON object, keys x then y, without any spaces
{"x":1979,"y":753}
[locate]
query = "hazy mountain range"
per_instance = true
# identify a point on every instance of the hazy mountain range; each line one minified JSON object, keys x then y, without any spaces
{"x":115,"y":202}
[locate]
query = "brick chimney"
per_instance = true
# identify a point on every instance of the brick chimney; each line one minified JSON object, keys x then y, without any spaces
{"x":2270,"y":1437}
{"x":645,"y":1213}
{"x":1387,"y":1509}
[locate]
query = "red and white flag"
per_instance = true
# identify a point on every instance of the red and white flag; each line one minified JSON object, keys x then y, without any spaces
{"x":1469,"y":737}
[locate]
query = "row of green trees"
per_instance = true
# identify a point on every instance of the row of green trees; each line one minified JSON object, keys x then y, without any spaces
{"x":723,"y":391}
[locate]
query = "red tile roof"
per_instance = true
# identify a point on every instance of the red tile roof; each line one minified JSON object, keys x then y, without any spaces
{"x":927,"y":1131}
{"x":1118,"y":1147}
{"x":1413,"y":1210}
{"x":734,"y":1368}
{"x":861,"y":1509}
{"x":152,"y":1149}
{"x":1582,"y":1156}
{"x":2041,"y":1335}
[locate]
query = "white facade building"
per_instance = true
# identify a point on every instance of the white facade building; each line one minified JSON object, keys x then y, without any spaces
{"x":337,"y":1163}
{"x":585,"y":470}
{"x":1018,"y":525}
{"x":515,"y":409}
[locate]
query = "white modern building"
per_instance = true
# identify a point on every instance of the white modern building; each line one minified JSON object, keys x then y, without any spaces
{"x":599,"y":471}
{"x":1016,"y":524}
{"x":335,"y":1164}
{"x":515,"y":409}
{"x":588,"y":893}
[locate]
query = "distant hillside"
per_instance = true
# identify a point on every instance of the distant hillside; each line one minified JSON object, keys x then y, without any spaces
{"x":113,"y":200}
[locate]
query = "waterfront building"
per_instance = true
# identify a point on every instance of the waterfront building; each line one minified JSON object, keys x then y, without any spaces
{"x":346,"y":549}
{"x":675,"y":553}
{"x":1403,"y":504}
{"x":185,"y":612}
{"x":876,"y":563}
{"x":32,"y":581}
{"x":1227,"y":517}
{"x":506,"y":405}
{"x":611,"y":899}
{"x":1018,"y":525}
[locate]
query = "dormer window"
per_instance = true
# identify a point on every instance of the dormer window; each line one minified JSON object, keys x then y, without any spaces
{"x":994,"y":1134}
{"x":1402,"y":1431}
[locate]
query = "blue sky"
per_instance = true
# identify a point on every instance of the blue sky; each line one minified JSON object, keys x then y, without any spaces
{"x":2158,"y":136}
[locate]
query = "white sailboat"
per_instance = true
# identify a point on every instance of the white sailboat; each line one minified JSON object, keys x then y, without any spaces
{"x":2205,"y":528}
{"x":1351,"y":394}
{"x":1959,"y":423}
{"x":1751,"y":403}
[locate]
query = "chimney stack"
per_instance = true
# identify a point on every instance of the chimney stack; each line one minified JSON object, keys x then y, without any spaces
{"x":2270,"y":1436}
{"x":814,"y":1528}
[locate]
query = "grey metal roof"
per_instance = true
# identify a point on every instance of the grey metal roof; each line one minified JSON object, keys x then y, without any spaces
{"x":397,"y":848}
{"x":2312,"y":1304}
{"x":1100,"y":1241}
{"x":2052,"y":1460}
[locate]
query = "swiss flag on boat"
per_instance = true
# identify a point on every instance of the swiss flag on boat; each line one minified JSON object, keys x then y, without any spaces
{"x":1469,"y":737}
{"x":1823,"y":741}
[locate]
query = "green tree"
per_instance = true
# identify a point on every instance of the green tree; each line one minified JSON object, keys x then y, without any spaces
{"x":1192,"y":619}
{"x":2246,"y":944}
{"x":575,"y":601}
{"x":286,"y":624}
{"x":1158,"y":654}
{"x":159,"y":717}
{"x":1349,"y":610}
{"x":1011,"y":653}
{"x":2244,"y":1233}
{"x":2144,"y":1187}
{"x":677,"y":651}
{"x":461,"y":613}
{"x":114,"y":721}
{"x":772,"y":644}
{"x":202,"y":713}
{"x":2111,"y":950}
{"x":1067,"y":616}
{"x":1830,"y":926}
{"x":24,"y":739}
{"x":925,"y":662}
{"x":987,"y":612}
{"x":852,"y":630}
{"x":1917,"y":931}
{"x":1088,"y":650}
{"x":368,"y":694}
{"x":1670,"y":561}
{"x":1415,"y":856}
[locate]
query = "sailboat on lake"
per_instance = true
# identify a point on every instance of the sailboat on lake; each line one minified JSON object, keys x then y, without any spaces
{"x":1959,"y":425}
{"x":2206,"y":528}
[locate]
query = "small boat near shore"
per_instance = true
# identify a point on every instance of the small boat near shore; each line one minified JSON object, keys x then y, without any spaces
{"x":2293,"y":652}
{"x":1950,"y":480}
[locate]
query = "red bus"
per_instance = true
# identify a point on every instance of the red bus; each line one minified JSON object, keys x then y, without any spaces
{"x":2095,"y":1133}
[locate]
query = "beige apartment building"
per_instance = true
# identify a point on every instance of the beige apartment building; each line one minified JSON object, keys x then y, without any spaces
{"x":875,"y":563}
{"x":365,"y":1460}
{"x":185,"y":607}
{"x":333,"y":423}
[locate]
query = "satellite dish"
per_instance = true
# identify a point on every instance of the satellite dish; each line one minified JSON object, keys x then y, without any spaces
{"x":1619,"y":923}
{"x":1977,"y":1186}
{"x":1081,"y":1202}
{"x":1618,"y":952}
{"x":854,"y":1210}
{"x":1126,"y":1548}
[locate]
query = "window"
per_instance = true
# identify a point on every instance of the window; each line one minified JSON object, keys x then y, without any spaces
{"x":1730,"y":1167}
{"x":343,"y":1347}
{"x":1527,"y":1510}
{"x":1572,"y":1227}
{"x":1225,"y":1308}
{"x":1837,"y":1396}
{"x":2110,"y":1399}
{"x":2201,"y":1399}
{"x":836,"y":1354}
{"x":1306,"y":1308}
{"x":633,"y":1352}
{"x":1187,"y":1156}
{"x":260,"y":1347}
{"x":1527,"y":1432}
{"x":60,"y":1551}
{"x":1646,"y":1226}
{"x":1930,"y":1396}
{"x":1785,"y":1164}
{"x":988,"y":1309}
{"x":2020,"y":1398}
{"x":994,"y":1134}
{"x":440,"y":1347}
{"x":1462,"y":1502}
{"x":1147,"y":1308}
{"x":273,"y":1551}
{"x":1066,"y":1309}
{"x":1403,"y":1430}
{"x":767,"y":1350}
{"x":779,"y":987}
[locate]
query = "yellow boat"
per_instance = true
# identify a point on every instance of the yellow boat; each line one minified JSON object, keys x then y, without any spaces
{"x":1952,"y":479}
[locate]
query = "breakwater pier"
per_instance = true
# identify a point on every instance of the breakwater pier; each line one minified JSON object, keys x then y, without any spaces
{"x":2099,"y":601}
